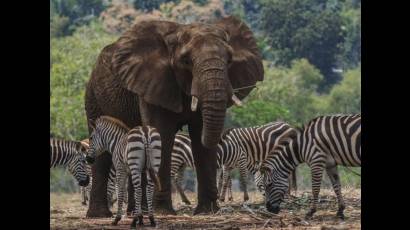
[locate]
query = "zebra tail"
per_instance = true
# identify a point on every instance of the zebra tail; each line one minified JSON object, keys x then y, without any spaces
{"x":155,"y":178}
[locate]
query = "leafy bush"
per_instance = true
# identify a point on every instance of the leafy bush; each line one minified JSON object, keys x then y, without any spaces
{"x":73,"y":58}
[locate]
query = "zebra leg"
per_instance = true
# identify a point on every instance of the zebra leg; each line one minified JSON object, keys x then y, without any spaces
{"x":150,"y":195}
{"x":226,"y":175}
{"x":220,"y":179}
{"x":177,"y":182}
{"x":317,"y":172}
{"x":229,"y":187}
{"x":121,"y":179}
{"x":136,"y":176}
{"x":83,"y":196}
{"x":334,"y":178}
{"x":243,"y":172}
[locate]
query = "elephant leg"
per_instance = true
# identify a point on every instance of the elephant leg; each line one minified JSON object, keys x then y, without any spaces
{"x":98,"y":204}
{"x":166,"y":123}
{"x":205,"y":164}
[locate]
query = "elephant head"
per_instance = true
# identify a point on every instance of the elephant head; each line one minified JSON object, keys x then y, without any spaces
{"x":160,"y":61}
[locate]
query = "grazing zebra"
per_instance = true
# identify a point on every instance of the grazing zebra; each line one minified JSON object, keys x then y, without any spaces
{"x":253,"y":143}
{"x":239,"y":147}
{"x":70,"y":154}
{"x":324,"y":142}
{"x":133,"y":151}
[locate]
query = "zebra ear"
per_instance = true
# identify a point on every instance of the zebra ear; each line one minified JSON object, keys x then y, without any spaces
{"x":81,"y":147}
{"x":85,"y":144}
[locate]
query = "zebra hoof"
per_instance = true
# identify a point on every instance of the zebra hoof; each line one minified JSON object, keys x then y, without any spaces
{"x":84,"y":203}
{"x":309,"y":215}
{"x":340,"y":215}
{"x":116,"y":220}
{"x":152,"y":221}
{"x":140,"y":220}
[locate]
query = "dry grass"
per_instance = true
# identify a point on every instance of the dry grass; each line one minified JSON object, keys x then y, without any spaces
{"x":66,"y":212}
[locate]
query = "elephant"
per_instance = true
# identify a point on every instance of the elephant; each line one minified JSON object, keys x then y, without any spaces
{"x":168,"y":75}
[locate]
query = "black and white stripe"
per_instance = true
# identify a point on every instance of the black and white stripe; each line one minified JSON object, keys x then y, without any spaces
{"x":243,"y":148}
{"x":323,"y":143}
{"x":72,"y":155}
{"x":133,"y":151}
{"x":248,"y":147}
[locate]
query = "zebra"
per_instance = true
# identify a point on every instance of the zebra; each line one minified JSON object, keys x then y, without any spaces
{"x":245,"y":148}
{"x":253,"y":144}
{"x":324,"y":142}
{"x":70,"y":154}
{"x":111,"y":185}
{"x":133,"y":150}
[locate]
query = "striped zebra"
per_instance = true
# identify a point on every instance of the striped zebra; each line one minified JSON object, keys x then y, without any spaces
{"x":253,"y":145}
{"x":112,"y":187}
{"x":133,"y":151}
{"x":239,"y":147}
{"x":323,"y":143}
{"x":70,"y":154}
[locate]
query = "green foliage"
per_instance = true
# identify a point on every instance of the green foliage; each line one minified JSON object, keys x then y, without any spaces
{"x":73,"y":58}
{"x":350,"y":56}
{"x":345,"y":97}
{"x":151,"y":4}
{"x":304,"y":29}
{"x":286,"y":94}
{"x":73,"y":13}
{"x":62,"y":181}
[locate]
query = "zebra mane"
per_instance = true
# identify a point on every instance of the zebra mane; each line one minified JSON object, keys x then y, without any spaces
{"x":226,"y":131}
{"x":115,"y":121}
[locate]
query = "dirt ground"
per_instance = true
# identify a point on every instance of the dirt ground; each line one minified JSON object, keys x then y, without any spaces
{"x":66,"y":212}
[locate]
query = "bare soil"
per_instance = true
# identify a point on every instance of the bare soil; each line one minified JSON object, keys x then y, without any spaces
{"x":67,"y":212}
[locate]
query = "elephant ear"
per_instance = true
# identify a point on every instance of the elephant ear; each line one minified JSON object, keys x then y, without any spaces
{"x":141,"y":61}
{"x":246,"y":68}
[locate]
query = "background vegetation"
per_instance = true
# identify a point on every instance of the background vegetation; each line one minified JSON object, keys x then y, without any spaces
{"x":311,"y":51}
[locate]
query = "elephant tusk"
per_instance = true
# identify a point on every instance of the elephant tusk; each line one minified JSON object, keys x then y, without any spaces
{"x":194,"y":103}
{"x":236,"y":100}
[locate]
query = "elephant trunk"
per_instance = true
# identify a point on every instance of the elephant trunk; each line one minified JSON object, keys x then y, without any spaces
{"x":213,"y":96}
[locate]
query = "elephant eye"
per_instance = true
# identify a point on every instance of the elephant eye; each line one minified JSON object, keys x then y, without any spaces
{"x":186,"y":60}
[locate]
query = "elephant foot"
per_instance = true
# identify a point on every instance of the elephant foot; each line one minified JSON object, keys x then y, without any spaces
{"x":152,"y":221}
{"x":245,"y":197}
{"x":164,"y":207}
{"x":209,"y":207}
{"x":96,"y":211}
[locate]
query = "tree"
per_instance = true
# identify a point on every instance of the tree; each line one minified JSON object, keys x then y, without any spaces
{"x":345,"y":97}
{"x":304,"y":29}
{"x":149,"y":5}
{"x":72,"y":60}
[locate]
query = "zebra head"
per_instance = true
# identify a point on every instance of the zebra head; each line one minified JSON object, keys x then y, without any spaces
{"x":77,"y":165}
{"x":259,"y":182}
{"x":276,"y":185}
